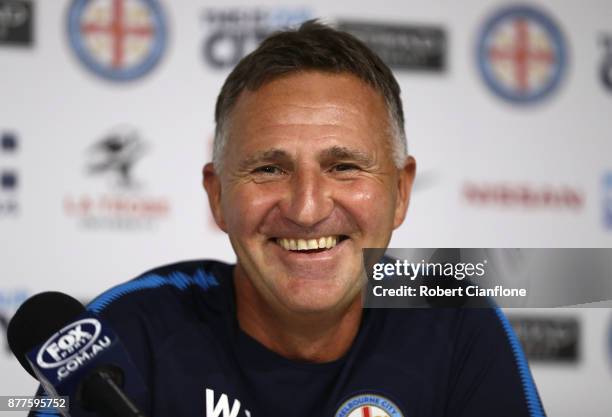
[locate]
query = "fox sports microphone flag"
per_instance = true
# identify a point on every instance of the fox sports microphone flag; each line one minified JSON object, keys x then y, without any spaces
{"x":64,"y":356}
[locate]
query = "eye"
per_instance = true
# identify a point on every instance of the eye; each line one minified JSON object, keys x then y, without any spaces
{"x":344,"y":167}
{"x":268,"y":170}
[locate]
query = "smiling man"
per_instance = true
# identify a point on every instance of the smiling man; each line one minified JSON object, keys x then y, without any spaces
{"x":306,"y":179}
{"x":310,"y":167}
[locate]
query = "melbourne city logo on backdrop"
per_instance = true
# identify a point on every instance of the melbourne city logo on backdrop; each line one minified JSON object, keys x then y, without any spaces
{"x":113,"y":159}
{"x":9,"y":179}
{"x":231,"y":33}
{"x":606,"y":63}
{"x":119,"y":40}
{"x":16,"y":22}
{"x":521,"y":54}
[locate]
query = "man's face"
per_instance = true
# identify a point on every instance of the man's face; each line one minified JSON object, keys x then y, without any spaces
{"x":308,"y":180}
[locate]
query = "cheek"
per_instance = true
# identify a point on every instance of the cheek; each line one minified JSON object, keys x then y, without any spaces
{"x":245,"y":207}
{"x":371,"y":204}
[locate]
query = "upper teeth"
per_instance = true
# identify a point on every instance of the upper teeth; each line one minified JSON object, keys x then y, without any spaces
{"x":307,"y":244}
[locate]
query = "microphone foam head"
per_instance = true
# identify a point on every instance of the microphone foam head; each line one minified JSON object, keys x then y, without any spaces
{"x":37,"y":319}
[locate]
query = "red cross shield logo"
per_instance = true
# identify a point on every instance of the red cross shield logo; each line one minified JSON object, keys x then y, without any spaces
{"x":118,"y":40}
{"x":521,"y":54}
{"x":368,"y":405}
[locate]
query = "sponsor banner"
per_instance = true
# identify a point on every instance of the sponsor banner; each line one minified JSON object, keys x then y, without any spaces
{"x":521,"y":54}
{"x":123,"y":204}
{"x":231,"y":33}
{"x":606,"y":63}
{"x":476,"y":278}
{"x":403,"y":47}
{"x":607,"y":199}
{"x":523,"y":195}
{"x":120,"y":40}
{"x":610,"y":342}
{"x":16,"y":21}
{"x":9,"y":176}
{"x":548,"y":339}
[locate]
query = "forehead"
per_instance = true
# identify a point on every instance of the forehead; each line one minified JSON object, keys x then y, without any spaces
{"x":309,"y":103}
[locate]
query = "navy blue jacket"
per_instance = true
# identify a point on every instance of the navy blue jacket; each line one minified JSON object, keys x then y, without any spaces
{"x":178,"y":323}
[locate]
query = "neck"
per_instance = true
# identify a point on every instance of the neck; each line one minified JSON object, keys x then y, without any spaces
{"x":312,"y":336}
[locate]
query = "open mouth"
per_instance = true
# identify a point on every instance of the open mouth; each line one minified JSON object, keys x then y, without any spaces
{"x":310,"y":245}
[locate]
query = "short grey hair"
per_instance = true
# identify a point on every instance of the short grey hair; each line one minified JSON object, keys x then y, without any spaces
{"x":313,"y":46}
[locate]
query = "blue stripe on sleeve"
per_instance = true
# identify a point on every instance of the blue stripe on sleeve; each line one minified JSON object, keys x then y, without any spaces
{"x":176,"y":279}
{"x":529,"y":389}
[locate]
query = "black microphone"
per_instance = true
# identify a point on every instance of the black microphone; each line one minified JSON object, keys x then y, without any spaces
{"x":74,"y":353}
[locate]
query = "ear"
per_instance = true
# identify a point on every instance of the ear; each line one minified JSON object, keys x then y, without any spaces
{"x":404,"y":184}
{"x":212,"y":184}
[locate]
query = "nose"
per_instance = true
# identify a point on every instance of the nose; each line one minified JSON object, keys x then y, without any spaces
{"x":309,"y":198}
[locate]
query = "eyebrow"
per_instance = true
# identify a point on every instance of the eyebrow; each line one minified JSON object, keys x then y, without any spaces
{"x":327,"y":156}
{"x":269,"y":155}
{"x":343,"y":153}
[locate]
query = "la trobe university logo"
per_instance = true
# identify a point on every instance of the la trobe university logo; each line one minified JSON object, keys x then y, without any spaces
{"x":521,"y":54}
{"x":119,"y":40}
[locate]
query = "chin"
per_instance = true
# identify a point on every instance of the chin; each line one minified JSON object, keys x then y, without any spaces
{"x":314,"y":307}
{"x":311,"y":297}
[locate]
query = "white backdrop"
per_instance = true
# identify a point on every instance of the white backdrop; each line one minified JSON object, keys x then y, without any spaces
{"x":66,"y":233}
